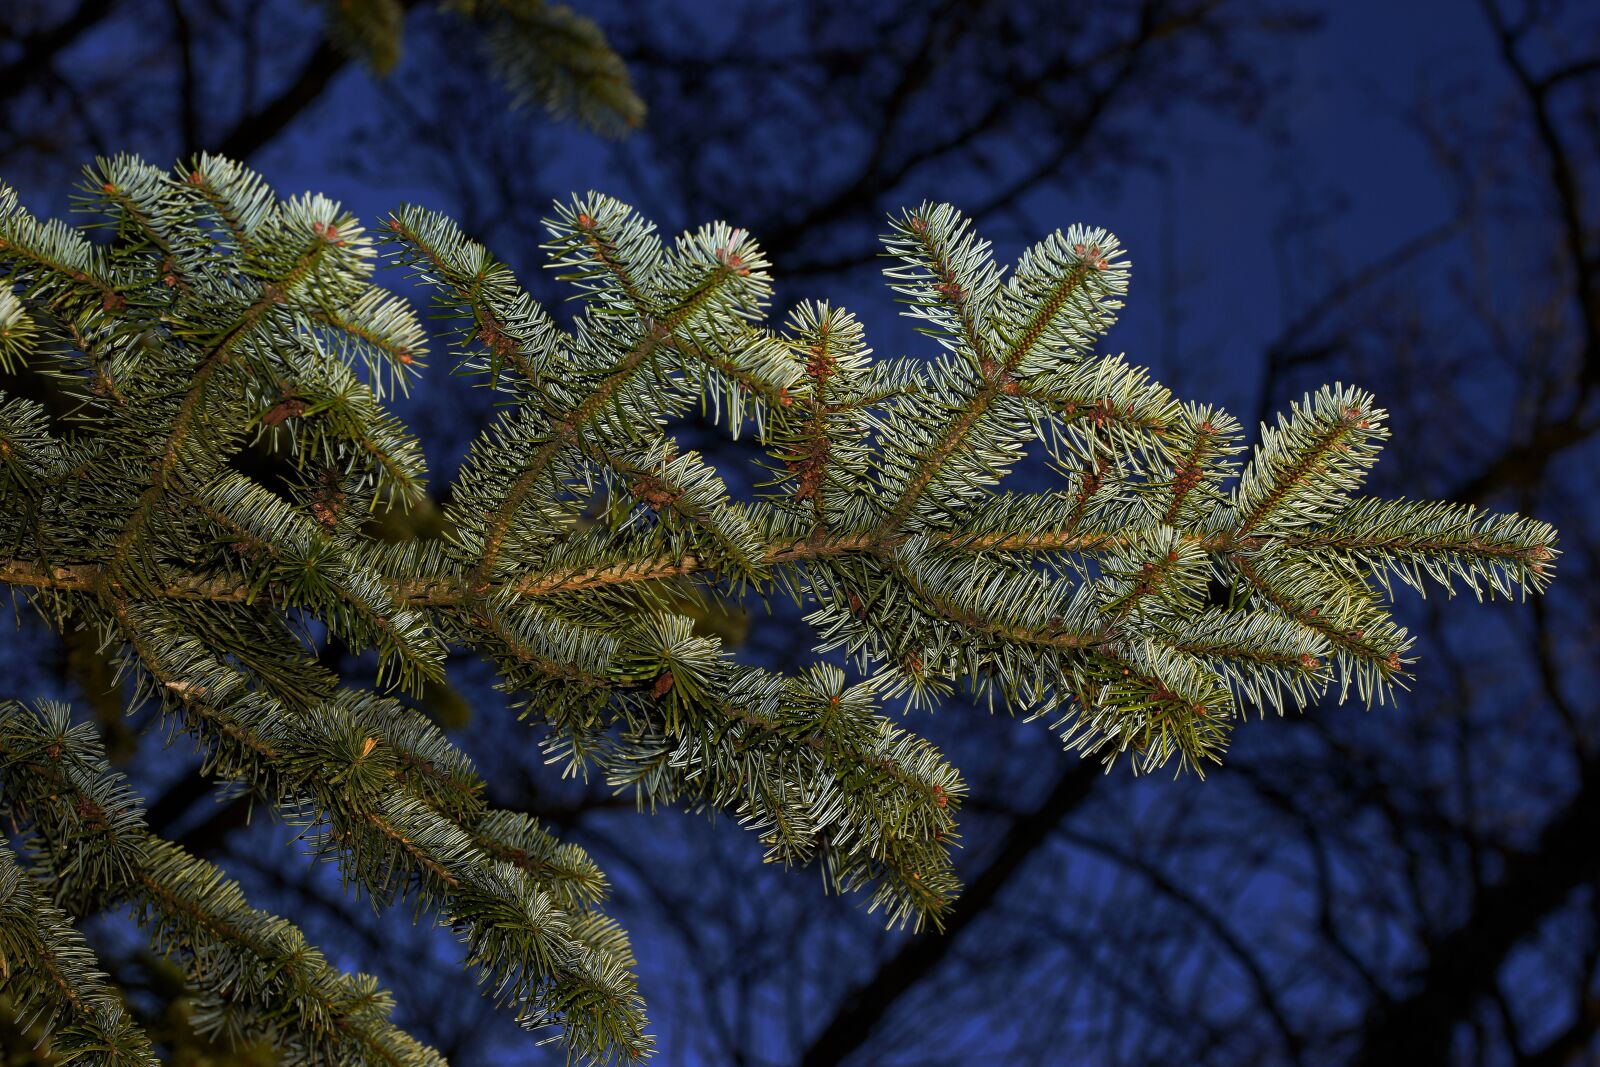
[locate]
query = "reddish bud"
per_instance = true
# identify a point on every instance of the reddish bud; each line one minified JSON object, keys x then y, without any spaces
{"x":287,"y":408}
{"x":585,"y":221}
{"x":655,"y":493}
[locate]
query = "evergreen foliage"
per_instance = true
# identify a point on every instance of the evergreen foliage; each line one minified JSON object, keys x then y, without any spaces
{"x":545,"y":54}
{"x":208,"y":511}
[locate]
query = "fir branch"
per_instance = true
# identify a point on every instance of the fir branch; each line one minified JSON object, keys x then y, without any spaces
{"x":255,"y":975}
{"x":1305,"y":467}
{"x":1446,"y":542}
{"x":343,"y":767}
{"x":1145,"y":601}
{"x":54,"y":981}
{"x":548,"y":54}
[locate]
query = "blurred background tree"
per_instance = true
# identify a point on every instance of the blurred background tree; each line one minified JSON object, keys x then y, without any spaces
{"x":1402,"y":196}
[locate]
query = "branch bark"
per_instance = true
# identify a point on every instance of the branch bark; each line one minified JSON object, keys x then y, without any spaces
{"x":39,"y":50}
{"x":256,"y":130}
{"x":435,"y":592}
{"x":1464,"y":964}
{"x":866,"y":1006}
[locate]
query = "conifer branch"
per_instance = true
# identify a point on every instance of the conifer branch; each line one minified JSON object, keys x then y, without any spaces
{"x":1143,"y":603}
{"x":54,"y":981}
{"x":377,"y":788}
{"x":256,"y":978}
